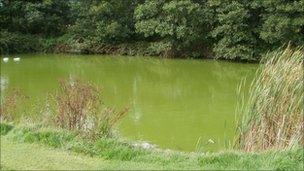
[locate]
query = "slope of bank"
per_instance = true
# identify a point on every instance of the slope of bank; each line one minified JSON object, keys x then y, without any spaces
{"x":24,"y":156}
{"x":41,"y":148}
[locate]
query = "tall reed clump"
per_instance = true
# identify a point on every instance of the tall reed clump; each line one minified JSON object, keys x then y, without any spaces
{"x":273,"y":115}
{"x":79,"y":107}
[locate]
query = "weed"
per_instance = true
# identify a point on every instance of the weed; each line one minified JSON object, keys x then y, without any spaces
{"x":79,"y":107}
{"x":10,"y":103}
{"x":5,"y":128}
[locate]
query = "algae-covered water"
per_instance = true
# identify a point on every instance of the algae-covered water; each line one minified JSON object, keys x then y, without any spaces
{"x":177,"y":104}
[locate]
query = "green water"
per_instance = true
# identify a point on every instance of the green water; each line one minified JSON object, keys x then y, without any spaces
{"x":174,"y":104}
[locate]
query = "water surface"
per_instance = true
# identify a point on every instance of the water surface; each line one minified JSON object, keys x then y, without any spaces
{"x":174,"y":104}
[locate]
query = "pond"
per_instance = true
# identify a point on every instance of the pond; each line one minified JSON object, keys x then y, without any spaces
{"x":175,"y":104}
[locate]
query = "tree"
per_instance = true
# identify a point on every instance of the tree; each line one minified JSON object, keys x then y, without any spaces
{"x":233,"y":32}
{"x":281,"y":22}
{"x":43,"y":17}
{"x":174,"y":25}
{"x":106,"y":21}
{"x":229,"y":29}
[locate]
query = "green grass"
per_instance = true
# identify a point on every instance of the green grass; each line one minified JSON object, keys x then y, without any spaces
{"x":36,"y":147}
{"x":23,"y":156}
{"x":272,"y":160}
{"x":5,"y":128}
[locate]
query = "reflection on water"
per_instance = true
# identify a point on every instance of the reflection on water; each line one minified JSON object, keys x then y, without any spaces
{"x":178,"y":104}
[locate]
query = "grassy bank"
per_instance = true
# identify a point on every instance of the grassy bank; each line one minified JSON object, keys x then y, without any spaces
{"x":21,"y":156}
{"x":37,"y":147}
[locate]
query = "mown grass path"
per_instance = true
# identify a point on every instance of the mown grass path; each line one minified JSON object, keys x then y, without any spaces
{"x":24,"y":156}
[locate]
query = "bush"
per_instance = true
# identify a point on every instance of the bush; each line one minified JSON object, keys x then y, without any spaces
{"x":79,"y":107}
{"x":273,"y":117}
{"x":18,"y":43}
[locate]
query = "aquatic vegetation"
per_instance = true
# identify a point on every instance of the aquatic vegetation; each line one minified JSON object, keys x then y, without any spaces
{"x":78,"y":106}
{"x":273,"y":116}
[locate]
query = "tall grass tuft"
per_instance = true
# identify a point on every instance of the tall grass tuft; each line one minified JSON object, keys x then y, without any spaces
{"x":273,"y":115}
{"x":79,"y":107}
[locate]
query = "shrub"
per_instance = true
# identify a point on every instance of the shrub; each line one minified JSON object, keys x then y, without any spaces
{"x":18,"y":43}
{"x":273,"y":117}
{"x":79,"y":108}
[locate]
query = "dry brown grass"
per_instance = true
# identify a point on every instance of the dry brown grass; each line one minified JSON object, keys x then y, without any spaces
{"x":273,"y":117}
{"x":10,"y":104}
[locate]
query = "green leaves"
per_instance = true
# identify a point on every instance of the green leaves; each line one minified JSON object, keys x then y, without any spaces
{"x":48,"y":18}
{"x":177,"y":22}
{"x":282,"y":22}
{"x":106,"y":21}
{"x":229,"y":29}
{"x":235,"y":41}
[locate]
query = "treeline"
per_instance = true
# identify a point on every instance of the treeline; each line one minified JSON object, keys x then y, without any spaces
{"x":229,"y":29}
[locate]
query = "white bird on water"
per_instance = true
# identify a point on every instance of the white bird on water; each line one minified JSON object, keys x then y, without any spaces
{"x":5,"y":59}
{"x":17,"y":59}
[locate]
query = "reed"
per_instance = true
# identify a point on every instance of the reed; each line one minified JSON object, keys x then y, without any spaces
{"x":273,"y":116}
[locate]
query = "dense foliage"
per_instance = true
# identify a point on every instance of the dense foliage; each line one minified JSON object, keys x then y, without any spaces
{"x":229,"y":29}
{"x":173,"y":26}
